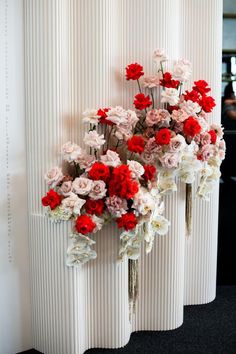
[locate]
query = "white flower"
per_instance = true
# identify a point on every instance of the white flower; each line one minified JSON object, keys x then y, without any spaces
{"x":98,"y":190}
{"x":82,"y":185}
{"x":177,"y":143}
{"x":85,"y":161}
{"x":71,"y":151}
{"x":117,"y":115}
{"x":167,"y":186}
{"x":111,"y":158}
{"x":143,"y":202}
{"x":170,"y":95}
{"x":190,"y":107}
{"x":99,"y":223}
{"x":74,"y":203}
{"x":136,"y":168}
{"x":65,"y":188}
{"x":80,"y":252}
{"x":182,"y":70}
{"x":59,"y":214}
{"x":90,"y":116}
{"x":94,"y":140}
{"x":53,"y":176}
{"x":159,"y":56}
{"x":160,"y":225}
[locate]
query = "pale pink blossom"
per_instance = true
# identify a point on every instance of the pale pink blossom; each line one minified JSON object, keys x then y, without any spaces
{"x":73,"y":202}
{"x":116,"y":206}
{"x":54,"y":176}
{"x":71,"y":151}
{"x":151,"y":81}
{"x":179,"y":115}
{"x":190,"y":107}
{"x":159,"y":56}
{"x":218,"y":129}
{"x":136,"y":168}
{"x":170,"y":95}
{"x":94,"y":140}
{"x":178,"y":127}
{"x":111,"y":158}
{"x":206,"y":152}
{"x":86,"y":161}
{"x":117,"y":115}
{"x":169,"y":160}
{"x":147,"y":157}
{"x":182,"y":70}
{"x":98,"y":190}
{"x":177,"y":143}
{"x":90,"y":116}
{"x":205,"y":138}
{"x":151,"y":146}
{"x":65,"y":188}
{"x":82,"y":185}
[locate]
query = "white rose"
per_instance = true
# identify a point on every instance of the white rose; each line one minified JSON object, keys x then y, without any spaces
{"x":170,"y":95}
{"x":99,"y":223}
{"x":117,"y":115}
{"x":160,"y":225}
{"x":53,"y":176}
{"x":167,"y":186}
{"x":71,"y":151}
{"x":93,"y":139}
{"x":82,"y":185}
{"x":182,"y":70}
{"x":111,"y":158}
{"x":74,"y":203}
{"x":144,"y":202}
{"x":136,"y":169}
{"x":159,"y":56}
{"x":98,"y":190}
{"x":90,"y":116}
{"x":190,"y":107}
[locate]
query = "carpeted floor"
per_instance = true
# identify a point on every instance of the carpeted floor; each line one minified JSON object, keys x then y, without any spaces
{"x":207,"y":329}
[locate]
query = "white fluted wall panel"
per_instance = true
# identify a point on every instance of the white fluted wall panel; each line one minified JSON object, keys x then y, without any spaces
{"x":203,"y":48}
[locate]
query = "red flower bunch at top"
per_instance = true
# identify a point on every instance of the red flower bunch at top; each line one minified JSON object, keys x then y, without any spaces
{"x":52,"y":199}
{"x":84,"y":224}
{"x":201,"y":86}
{"x":168,"y":82}
{"x":99,"y":171}
{"x":136,"y":144}
{"x":128,"y":221}
{"x":191,"y":127}
{"x":94,"y":206}
{"x":121,"y":183}
{"x":213,"y":136}
{"x":141,"y":101}
{"x":207,"y":103}
{"x":192,"y":96}
{"x":134,"y":71}
{"x":163,"y":136}
{"x":102,"y":113}
{"x":149,"y":173}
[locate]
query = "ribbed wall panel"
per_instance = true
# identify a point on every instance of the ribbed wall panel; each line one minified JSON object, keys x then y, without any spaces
{"x":201,"y":31}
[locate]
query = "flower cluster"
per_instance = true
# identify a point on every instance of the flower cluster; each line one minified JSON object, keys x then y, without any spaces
{"x":134,"y":158}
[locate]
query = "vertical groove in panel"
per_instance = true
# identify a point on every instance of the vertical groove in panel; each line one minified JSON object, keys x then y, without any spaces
{"x":203,"y":48}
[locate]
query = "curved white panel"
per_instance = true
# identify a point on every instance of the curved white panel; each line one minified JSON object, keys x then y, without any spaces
{"x":203,"y":48}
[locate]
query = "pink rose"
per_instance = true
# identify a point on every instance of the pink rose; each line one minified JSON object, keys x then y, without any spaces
{"x":54,"y":176}
{"x":169,"y":160}
{"x":151,"y":81}
{"x":65,"y":188}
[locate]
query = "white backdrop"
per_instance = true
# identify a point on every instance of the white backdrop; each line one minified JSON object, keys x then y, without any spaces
{"x":75,"y":52}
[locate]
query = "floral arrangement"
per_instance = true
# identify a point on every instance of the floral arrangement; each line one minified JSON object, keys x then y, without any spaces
{"x":134,"y":158}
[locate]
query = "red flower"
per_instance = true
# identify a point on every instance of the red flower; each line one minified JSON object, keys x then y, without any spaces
{"x":99,"y":171}
{"x":213,"y":136}
{"x":163,"y":136}
{"x":94,"y":206}
{"x":192,"y":96}
{"x":167,"y":81}
{"x":122,"y":172}
{"x":52,"y":199}
{"x":128,"y":221}
{"x":121,"y":183}
{"x":134,"y":71}
{"x":191,"y":127}
{"x":149,"y":173}
{"x":141,"y":101}
{"x":201,"y":86}
{"x":207,"y":103}
{"x":84,"y":224}
{"x":102,"y":113}
{"x":136,"y":144}
{"x":172,"y":108}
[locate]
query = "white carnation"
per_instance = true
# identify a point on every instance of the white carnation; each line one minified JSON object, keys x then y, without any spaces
{"x":170,"y":95}
{"x":90,"y":116}
{"x":94,"y":140}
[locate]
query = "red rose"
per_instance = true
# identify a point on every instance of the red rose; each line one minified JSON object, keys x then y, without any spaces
{"x":52,"y":199}
{"x":99,"y":171}
{"x":136,"y":144}
{"x":163,"y":136}
{"x":191,"y":127}
{"x":121,"y":183}
{"x":122,"y":172}
{"x":149,"y":173}
{"x":84,"y":224}
{"x":141,"y":101}
{"x":192,"y":96}
{"x":128,"y":221}
{"x":94,"y":206}
{"x":167,"y":81}
{"x":102,"y":113}
{"x":134,"y":71}
{"x":213,"y":136}
{"x":201,"y":86}
{"x":207,"y":103}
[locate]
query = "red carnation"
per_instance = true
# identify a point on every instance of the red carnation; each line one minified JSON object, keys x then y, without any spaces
{"x":141,"y":101}
{"x":128,"y":221}
{"x":125,"y":189}
{"x":94,"y":206}
{"x":136,"y":144}
{"x":99,"y":171}
{"x":191,"y":127}
{"x":52,"y":199}
{"x":134,"y":71}
{"x":192,"y":96}
{"x":207,"y":103}
{"x":213,"y":136}
{"x":122,"y":172}
{"x":84,"y":224}
{"x":102,"y":113}
{"x":149,"y":173}
{"x":173,"y":108}
{"x":201,"y":86}
{"x":167,"y":81}
{"x":163,"y":136}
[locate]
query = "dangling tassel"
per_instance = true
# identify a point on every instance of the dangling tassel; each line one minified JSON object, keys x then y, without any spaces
{"x":133,"y":285}
{"x":188,"y":209}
